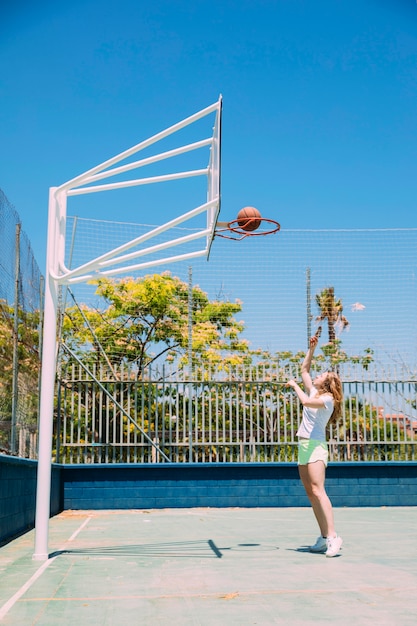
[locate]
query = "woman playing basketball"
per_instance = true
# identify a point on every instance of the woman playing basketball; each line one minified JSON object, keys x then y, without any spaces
{"x":321,"y":402}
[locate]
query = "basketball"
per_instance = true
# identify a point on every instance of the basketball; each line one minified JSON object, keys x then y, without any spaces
{"x":246,"y":218}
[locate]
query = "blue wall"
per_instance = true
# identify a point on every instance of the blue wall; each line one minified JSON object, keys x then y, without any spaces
{"x":244,"y":485}
{"x":194,"y":485}
{"x":18,"y":495}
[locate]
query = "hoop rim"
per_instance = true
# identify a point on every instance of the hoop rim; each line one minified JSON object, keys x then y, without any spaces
{"x":234,"y":228}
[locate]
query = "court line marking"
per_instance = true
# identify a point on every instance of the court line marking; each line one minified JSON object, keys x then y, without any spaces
{"x":75,"y":533}
{"x":27,"y":585}
{"x":221,"y":595}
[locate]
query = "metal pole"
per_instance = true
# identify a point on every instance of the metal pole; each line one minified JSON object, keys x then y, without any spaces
{"x":15,"y":386}
{"x":190,"y":319}
{"x":49,"y":348}
{"x":190,"y":362}
{"x":40,"y":340}
{"x":309,"y":316}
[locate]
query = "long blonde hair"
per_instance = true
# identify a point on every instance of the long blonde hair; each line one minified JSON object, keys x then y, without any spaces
{"x":333,"y":385}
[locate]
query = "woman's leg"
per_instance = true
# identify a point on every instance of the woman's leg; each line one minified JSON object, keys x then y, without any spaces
{"x":312,"y":476}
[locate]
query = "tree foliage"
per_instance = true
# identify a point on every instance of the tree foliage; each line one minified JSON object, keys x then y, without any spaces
{"x":148,"y":318}
{"x":27,"y":370}
{"x":331,"y":310}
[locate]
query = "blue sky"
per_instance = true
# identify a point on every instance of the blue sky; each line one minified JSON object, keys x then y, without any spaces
{"x":319,"y":124}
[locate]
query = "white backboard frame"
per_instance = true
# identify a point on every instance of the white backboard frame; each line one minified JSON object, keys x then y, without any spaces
{"x":112,"y":263}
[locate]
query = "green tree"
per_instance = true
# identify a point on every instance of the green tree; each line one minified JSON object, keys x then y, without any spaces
{"x":147,"y":318}
{"x":28,"y":369}
{"x":331,"y":310}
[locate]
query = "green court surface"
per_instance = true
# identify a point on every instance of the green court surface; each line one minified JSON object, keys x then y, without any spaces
{"x":213,"y":566}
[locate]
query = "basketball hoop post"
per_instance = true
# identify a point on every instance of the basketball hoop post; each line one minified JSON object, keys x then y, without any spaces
{"x":113,"y":262}
{"x":49,"y":348}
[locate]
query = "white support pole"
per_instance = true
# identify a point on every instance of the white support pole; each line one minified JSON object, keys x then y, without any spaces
{"x":49,"y":348}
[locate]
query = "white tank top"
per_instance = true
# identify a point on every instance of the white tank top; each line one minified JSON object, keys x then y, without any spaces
{"x":314,"y":422}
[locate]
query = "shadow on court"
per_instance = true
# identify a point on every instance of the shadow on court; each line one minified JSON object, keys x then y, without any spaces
{"x":179,"y":549}
{"x":213,"y":566}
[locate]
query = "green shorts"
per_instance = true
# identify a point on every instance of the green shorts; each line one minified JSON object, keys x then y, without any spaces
{"x":311,"y":450}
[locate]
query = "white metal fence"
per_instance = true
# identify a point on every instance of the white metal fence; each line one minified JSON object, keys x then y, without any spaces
{"x":242,"y":416}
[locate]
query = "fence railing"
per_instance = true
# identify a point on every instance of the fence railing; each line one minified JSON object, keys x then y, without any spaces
{"x":244,"y":416}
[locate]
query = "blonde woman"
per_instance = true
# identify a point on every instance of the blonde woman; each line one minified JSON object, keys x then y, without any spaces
{"x":321,"y":400}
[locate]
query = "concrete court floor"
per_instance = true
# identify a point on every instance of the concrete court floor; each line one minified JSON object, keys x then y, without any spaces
{"x":213,"y":566}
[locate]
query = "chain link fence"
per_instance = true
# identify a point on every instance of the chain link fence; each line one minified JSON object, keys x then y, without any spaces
{"x":21,"y":289}
{"x":248,"y":417}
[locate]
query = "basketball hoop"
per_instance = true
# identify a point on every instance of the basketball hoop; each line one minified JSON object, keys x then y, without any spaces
{"x":232,"y":230}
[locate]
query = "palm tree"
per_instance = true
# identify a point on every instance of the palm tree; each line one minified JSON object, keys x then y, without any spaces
{"x":332,"y":311}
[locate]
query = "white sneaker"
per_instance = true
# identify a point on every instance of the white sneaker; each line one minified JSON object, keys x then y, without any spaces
{"x":334,"y":545}
{"x":320,"y":546}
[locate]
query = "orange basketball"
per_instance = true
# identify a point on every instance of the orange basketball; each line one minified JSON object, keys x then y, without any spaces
{"x":246,"y":218}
